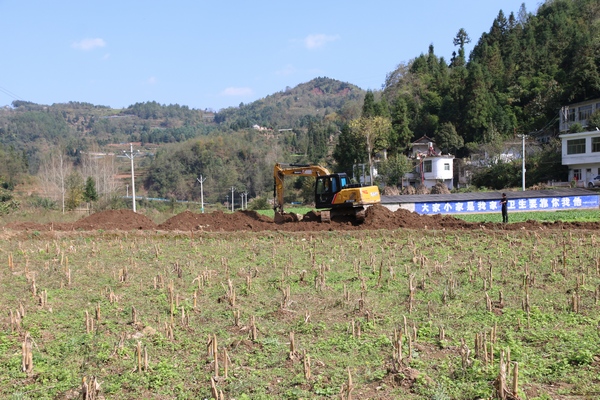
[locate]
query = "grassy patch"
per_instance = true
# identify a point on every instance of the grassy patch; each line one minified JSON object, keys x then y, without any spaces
{"x":541,"y":216}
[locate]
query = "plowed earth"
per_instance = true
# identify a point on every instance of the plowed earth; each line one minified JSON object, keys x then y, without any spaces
{"x":377,"y":217}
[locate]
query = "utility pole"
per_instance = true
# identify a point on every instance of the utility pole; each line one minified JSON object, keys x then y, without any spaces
{"x":523,"y":164}
{"x":242,"y":196}
{"x":232,"y":199}
{"x":131,"y":155}
{"x":201,"y":180}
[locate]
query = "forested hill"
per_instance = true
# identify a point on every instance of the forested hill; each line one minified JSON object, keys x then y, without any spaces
{"x":76,"y":126}
{"x":295,"y":107}
{"x":32,"y":127}
{"x":515,"y":80}
{"x":153,"y":122}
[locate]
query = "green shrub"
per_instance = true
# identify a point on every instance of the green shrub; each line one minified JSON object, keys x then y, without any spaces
{"x":259,"y":203}
{"x":581,"y":357}
{"x":42,"y":202}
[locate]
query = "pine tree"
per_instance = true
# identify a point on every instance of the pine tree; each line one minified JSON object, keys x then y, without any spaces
{"x":401,"y":134}
{"x":369,"y":107}
{"x":89,"y":193}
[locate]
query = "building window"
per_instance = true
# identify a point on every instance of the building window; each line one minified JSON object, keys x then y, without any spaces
{"x":446,"y":166}
{"x":427,"y":166}
{"x":571,"y":114}
{"x":576,"y":146}
{"x":585,"y":112}
{"x":595,"y":144}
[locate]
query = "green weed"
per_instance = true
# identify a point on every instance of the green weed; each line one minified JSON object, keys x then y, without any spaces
{"x":354,"y":297}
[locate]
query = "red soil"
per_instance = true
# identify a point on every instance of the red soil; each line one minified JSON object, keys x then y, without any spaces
{"x":377,"y":217}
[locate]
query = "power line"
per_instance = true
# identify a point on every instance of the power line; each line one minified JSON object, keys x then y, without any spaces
{"x":544,"y":128}
{"x":10,"y":94}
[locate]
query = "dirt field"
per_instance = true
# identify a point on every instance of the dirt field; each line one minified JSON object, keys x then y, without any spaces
{"x":377,"y":217}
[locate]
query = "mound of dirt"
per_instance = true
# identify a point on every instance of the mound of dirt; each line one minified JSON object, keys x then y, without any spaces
{"x":380,"y":217}
{"x":376,"y":217}
{"x":115,"y":219}
{"x":422,"y":189}
{"x":390,"y":191}
{"x":217,"y":221}
{"x":440,"y":188}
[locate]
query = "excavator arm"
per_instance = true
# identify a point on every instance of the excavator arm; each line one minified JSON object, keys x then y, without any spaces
{"x":282,"y":170}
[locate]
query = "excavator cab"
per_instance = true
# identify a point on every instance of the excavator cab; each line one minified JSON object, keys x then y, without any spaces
{"x":327,"y":187}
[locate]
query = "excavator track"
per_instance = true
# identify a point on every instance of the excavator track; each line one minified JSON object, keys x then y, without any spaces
{"x":358,"y":213}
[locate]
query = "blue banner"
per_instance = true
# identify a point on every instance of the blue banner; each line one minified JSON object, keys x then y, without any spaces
{"x":526,"y":204}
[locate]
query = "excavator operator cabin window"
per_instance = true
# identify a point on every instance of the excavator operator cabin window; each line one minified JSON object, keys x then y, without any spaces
{"x":320,"y":186}
{"x":343,"y":181}
{"x":334,"y":185}
{"x":326,"y":185}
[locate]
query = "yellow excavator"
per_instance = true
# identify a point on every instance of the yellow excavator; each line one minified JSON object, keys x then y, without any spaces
{"x":335,"y":195}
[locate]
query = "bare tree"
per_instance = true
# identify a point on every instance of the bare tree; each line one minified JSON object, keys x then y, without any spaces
{"x":102,"y":168}
{"x":54,"y":172}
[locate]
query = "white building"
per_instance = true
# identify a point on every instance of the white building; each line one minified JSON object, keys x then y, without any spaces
{"x":432,"y":166}
{"x":580,"y":151}
{"x":577,"y":113}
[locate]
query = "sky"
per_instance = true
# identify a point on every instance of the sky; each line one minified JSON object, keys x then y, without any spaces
{"x":218,"y":54}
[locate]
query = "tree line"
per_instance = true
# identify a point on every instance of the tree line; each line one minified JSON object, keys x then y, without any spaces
{"x":514,"y":81}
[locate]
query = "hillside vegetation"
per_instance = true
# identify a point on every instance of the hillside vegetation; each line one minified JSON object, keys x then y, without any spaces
{"x":514,"y":81}
{"x":517,"y":77}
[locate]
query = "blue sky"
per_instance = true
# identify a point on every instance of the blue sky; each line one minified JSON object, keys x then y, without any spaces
{"x":216,"y":54}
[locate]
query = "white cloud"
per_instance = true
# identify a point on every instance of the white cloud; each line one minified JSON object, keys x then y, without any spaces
{"x":319,"y":40}
{"x":237,"y":91}
{"x":152,"y":80}
{"x":88,"y":44}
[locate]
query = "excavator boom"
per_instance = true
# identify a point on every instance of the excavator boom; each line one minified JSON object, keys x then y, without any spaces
{"x":282,"y":170}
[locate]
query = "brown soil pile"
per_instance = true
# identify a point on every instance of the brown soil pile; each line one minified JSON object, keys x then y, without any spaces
{"x":440,"y":188}
{"x":377,"y":217}
{"x":380,"y":217}
{"x":217,"y":221}
{"x":115,"y":219}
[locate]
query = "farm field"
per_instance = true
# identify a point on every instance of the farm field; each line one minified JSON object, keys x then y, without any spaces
{"x":231,"y":306}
